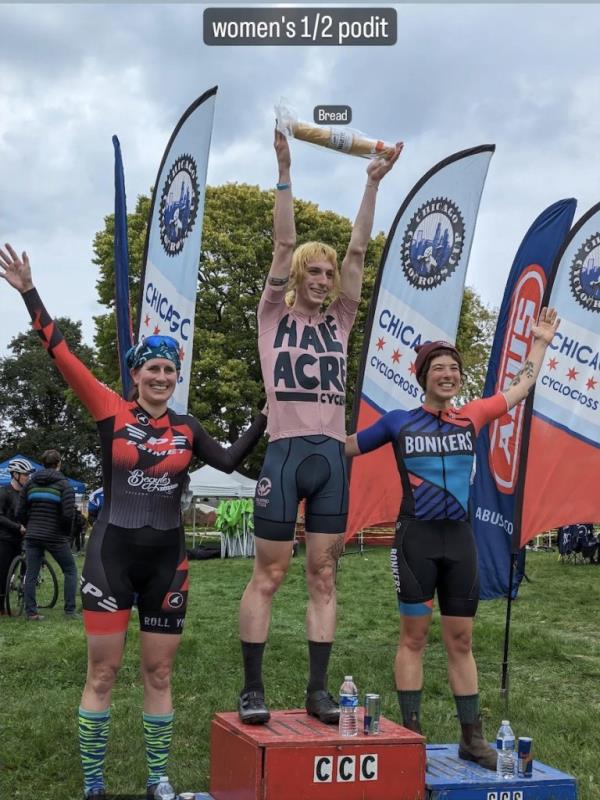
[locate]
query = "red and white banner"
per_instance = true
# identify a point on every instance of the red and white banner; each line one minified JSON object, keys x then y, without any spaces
{"x":560,"y":486}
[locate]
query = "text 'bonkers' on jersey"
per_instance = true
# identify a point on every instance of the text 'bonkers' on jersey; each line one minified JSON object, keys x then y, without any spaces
{"x":435,"y":453}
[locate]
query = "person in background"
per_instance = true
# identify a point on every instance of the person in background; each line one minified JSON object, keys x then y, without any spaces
{"x":46,"y":507}
{"x":11,"y":530}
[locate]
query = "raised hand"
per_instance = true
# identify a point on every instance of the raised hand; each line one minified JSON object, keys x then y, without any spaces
{"x":378,"y":167}
{"x":547,"y":325}
{"x":15,"y":271}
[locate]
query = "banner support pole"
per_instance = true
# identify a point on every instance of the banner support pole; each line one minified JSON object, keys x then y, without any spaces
{"x":504,"y":687}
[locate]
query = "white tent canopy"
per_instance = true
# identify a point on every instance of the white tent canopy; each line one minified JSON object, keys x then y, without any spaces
{"x":210,"y":482}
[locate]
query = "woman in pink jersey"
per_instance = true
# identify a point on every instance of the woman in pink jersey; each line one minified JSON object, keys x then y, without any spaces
{"x":303,"y":358}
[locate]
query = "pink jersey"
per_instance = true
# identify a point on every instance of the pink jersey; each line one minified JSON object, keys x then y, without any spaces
{"x":303,"y":361}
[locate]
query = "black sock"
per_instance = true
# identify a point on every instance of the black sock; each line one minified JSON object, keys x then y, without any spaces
{"x":410,"y":704}
{"x":318,"y":656}
{"x":467,"y":707}
{"x":252,"y":653}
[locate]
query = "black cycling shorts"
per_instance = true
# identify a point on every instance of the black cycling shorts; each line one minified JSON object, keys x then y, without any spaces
{"x":302,"y":467}
{"x":435,"y":554}
{"x":144,"y":566}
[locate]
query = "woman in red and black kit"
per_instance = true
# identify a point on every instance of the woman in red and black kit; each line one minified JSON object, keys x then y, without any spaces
{"x":137,"y":545}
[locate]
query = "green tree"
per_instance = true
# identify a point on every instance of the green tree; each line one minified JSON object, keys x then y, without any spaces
{"x":39,"y":411}
{"x":474,"y":340}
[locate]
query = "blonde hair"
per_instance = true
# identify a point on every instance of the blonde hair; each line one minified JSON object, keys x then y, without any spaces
{"x":305,"y":254}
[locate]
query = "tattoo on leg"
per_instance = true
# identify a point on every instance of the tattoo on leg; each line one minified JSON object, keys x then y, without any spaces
{"x":336,"y":548}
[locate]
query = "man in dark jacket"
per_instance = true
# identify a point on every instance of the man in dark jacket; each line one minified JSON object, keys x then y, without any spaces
{"x":11,"y":530}
{"x":46,"y":508}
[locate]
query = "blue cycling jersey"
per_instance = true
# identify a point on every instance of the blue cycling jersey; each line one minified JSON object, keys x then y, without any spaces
{"x":435,"y":453}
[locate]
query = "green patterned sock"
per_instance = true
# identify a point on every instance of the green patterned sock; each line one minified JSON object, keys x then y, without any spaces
{"x":158,"y":730}
{"x":93,"y":738}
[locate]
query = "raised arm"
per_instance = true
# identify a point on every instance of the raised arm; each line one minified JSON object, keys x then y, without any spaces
{"x":100,"y":401}
{"x":354,"y":260}
{"x":284,"y":227}
{"x":524,"y":380}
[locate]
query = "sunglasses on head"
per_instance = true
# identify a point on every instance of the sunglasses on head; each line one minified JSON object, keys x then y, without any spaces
{"x":157,"y":340}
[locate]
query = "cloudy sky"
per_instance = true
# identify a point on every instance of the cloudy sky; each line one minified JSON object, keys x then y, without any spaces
{"x":525,"y":77}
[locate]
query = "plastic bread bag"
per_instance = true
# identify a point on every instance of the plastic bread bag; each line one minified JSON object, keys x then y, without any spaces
{"x":342,"y":139}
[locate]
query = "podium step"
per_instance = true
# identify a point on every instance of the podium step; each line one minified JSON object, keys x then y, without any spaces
{"x":448,"y":777}
{"x":297,"y":757}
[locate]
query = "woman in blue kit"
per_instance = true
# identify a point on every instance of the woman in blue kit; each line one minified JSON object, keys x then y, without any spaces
{"x":434,"y":547}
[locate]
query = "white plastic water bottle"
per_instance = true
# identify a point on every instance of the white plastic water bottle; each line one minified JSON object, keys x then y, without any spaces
{"x":505,"y":744}
{"x":164,"y":790}
{"x":348,"y":707}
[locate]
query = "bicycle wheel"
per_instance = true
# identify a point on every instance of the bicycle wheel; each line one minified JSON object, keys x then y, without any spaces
{"x":46,"y":591}
{"x":15,"y":587}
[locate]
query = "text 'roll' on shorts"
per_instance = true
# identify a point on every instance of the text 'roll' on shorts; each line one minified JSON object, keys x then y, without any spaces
{"x":301,"y":467}
{"x":145,"y":567}
{"x":430,"y":554}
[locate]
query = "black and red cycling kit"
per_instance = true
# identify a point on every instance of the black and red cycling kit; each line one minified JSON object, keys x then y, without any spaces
{"x":137,"y":546}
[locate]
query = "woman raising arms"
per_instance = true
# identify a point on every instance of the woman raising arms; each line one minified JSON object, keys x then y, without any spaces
{"x":434,"y":547}
{"x":137,"y":545}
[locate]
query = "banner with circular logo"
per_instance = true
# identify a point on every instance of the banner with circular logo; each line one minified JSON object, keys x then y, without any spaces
{"x":417,"y":298}
{"x":168,"y":289}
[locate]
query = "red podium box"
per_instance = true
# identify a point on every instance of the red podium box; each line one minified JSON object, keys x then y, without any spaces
{"x":296,"y":757}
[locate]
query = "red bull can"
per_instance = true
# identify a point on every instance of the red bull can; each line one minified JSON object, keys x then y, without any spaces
{"x":372,"y":714}
{"x":525,"y":757}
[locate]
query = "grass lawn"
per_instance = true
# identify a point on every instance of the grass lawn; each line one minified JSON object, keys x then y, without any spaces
{"x":555,"y":663}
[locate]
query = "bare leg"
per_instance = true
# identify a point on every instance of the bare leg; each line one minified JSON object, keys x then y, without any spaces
{"x":457,"y":633}
{"x":158,"y":655}
{"x":271,"y":564}
{"x":408,"y":666}
{"x":105,"y":654}
{"x":322,"y":553}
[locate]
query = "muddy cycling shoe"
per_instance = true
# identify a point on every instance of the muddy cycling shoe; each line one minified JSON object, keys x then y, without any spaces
{"x":252,"y":708}
{"x":95,"y":794}
{"x":473,"y":746}
{"x":320,"y":704}
{"x":161,"y":790}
